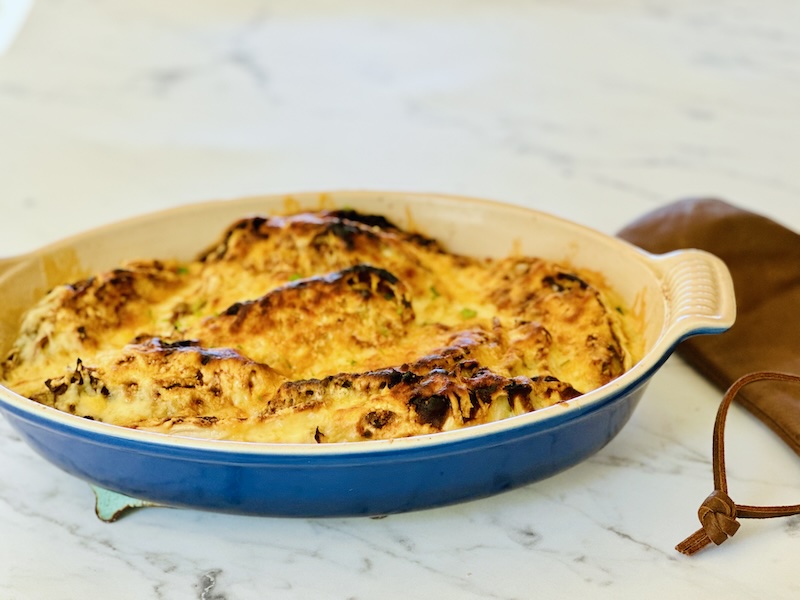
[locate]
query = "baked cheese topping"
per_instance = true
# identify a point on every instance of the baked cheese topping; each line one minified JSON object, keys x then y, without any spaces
{"x":332,"y":326}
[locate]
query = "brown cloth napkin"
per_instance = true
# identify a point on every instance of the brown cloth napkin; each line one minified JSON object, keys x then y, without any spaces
{"x":764,"y":260}
{"x":762,"y":346}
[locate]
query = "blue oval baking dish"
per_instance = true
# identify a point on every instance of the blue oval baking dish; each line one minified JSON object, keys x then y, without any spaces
{"x":676,"y":295}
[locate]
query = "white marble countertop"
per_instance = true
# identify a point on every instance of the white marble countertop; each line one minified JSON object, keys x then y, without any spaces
{"x":597,"y":111}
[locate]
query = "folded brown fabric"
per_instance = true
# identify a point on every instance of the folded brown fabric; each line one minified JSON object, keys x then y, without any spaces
{"x":764,"y":261}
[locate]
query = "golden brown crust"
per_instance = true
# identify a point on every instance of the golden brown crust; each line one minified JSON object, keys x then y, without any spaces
{"x":329,"y":321}
{"x":320,"y":327}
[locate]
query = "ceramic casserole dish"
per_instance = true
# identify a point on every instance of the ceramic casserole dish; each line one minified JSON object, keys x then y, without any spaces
{"x":676,"y":295}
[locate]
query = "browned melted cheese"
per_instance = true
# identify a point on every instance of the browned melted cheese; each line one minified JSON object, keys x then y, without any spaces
{"x":320,"y":327}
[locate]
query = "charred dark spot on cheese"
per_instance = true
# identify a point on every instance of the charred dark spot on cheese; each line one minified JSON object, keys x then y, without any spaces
{"x":233,"y":309}
{"x":376,"y":221}
{"x":433,"y":409}
{"x":374,"y":421}
{"x":345,"y":235}
{"x":548,"y":386}
{"x":256,"y":227}
{"x":407,"y":378}
{"x":346,"y":232}
{"x":180,"y":344}
{"x":77,"y":374}
{"x":155,"y":341}
{"x":144,"y":345}
{"x":12,"y":360}
{"x":80,"y":287}
{"x":563,"y":281}
{"x":179,"y":384}
{"x":371,"y":280}
{"x":519,"y":391}
{"x":379,"y":418}
{"x":485,"y":384}
{"x":425,"y":242}
{"x":568,"y":392}
{"x":56,"y":387}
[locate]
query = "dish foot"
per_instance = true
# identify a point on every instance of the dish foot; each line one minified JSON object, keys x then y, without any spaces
{"x":109,"y":505}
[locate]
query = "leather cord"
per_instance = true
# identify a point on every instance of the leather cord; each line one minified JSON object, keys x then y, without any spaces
{"x":718,"y":514}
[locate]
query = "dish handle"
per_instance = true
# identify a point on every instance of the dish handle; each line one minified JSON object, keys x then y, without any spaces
{"x":699,"y":292}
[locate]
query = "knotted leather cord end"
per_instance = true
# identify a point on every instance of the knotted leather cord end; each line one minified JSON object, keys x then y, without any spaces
{"x":717,"y":516}
{"x":718,"y":512}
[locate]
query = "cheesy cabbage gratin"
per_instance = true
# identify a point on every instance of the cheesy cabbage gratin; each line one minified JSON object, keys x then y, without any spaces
{"x":320,"y":327}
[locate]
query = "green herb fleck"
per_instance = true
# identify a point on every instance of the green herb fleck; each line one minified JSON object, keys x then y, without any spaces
{"x":295,"y":276}
{"x":197,"y":306}
{"x":182,"y":270}
{"x":468,"y":313}
{"x":434,"y":293}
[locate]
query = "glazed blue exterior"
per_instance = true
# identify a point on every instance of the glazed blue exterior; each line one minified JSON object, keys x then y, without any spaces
{"x":326,"y":485}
